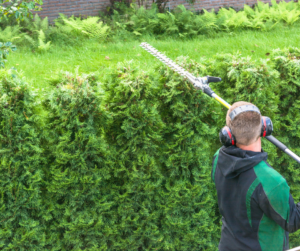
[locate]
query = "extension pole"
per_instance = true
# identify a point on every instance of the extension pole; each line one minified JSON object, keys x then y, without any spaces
{"x":203,"y":84}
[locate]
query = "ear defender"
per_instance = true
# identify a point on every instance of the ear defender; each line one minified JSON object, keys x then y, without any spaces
{"x":226,"y":136}
{"x":266,"y":127}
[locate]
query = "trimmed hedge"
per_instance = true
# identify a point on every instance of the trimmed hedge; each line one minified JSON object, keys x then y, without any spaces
{"x":125,"y":164}
{"x":22,"y":166}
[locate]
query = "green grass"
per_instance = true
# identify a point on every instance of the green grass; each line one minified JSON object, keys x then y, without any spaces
{"x":90,"y":55}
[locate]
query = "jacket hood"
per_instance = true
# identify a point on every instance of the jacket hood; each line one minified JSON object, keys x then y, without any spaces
{"x":232,"y":160}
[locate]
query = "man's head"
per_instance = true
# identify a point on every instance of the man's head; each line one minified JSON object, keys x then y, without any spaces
{"x":246,"y":127}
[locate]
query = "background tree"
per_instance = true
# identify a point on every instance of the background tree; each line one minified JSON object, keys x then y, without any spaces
{"x":17,"y":9}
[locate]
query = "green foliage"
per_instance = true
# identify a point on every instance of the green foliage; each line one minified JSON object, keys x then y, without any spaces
{"x":79,"y":198}
{"x":132,"y":22}
{"x":37,"y":32}
{"x":21,"y":166}
{"x":33,"y":26}
{"x":40,"y":44}
{"x":184,"y":23}
{"x":245,"y":79}
{"x":142,"y":21}
{"x":287,"y":62}
{"x":287,"y":12}
{"x":90,"y":27}
{"x":11,"y":33}
{"x":18,"y":8}
{"x":5,"y":48}
{"x":180,"y":22}
{"x":233,"y":19}
{"x":165,"y":189}
{"x":125,"y":164}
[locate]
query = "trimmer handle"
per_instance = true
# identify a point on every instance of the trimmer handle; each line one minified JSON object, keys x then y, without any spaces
{"x":205,"y":84}
{"x":213,"y":79}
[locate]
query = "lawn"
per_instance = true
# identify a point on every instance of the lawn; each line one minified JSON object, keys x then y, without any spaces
{"x":93,"y":56}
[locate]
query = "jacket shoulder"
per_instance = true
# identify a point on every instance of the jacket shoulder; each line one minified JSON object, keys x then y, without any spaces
{"x":275,"y":188}
{"x":268,"y":177}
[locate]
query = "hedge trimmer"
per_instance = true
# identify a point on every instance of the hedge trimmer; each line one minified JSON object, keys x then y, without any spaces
{"x":203,"y":84}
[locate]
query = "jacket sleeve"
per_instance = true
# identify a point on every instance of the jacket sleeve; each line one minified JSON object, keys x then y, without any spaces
{"x":294,"y":217}
{"x":214,"y":165}
{"x":278,"y":204}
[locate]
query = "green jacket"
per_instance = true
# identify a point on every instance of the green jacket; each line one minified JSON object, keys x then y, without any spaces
{"x":254,"y":200}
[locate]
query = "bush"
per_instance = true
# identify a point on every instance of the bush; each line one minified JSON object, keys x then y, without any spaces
{"x":165,"y":196}
{"x":78,"y":200}
{"x":90,"y":27}
{"x":183,"y":23}
{"x":22,"y":166}
{"x":125,"y":164}
{"x":287,"y":63}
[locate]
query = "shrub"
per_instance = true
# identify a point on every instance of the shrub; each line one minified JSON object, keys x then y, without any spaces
{"x":78,"y":200}
{"x":40,"y":44}
{"x":33,"y":26}
{"x":22,"y":166}
{"x":125,"y":164}
{"x":11,"y":33}
{"x":5,"y":48}
{"x":90,"y":27}
{"x":287,"y":62}
{"x":165,"y":190}
{"x":181,"y":22}
{"x":134,"y":21}
{"x":37,"y":32}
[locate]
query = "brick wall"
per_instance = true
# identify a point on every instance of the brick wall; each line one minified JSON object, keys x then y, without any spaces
{"x":214,"y":4}
{"x":52,"y":8}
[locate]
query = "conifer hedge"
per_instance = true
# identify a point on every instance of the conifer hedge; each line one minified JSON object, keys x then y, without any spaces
{"x":22,"y":166}
{"x":125,"y":164}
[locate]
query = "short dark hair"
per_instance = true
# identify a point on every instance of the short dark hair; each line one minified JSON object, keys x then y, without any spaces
{"x":246,"y":127}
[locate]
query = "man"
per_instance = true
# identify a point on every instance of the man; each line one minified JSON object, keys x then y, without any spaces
{"x":257,"y":208}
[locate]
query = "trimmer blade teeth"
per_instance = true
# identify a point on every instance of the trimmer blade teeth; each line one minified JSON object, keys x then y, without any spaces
{"x":166,"y":60}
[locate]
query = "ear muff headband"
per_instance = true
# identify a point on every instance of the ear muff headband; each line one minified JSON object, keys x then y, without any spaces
{"x":241,"y":109}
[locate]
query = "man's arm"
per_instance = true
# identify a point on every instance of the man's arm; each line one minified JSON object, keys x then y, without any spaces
{"x":214,"y":165}
{"x":278,"y":204}
{"x":294,"y":217}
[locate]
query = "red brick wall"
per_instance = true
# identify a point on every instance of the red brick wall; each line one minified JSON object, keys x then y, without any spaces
{"x":52,"y":8}
{"x":215,"y":4}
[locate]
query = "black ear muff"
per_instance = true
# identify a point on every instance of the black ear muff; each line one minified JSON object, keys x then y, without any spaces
{"x":266,"y":127}
{"x":226,"y":136}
